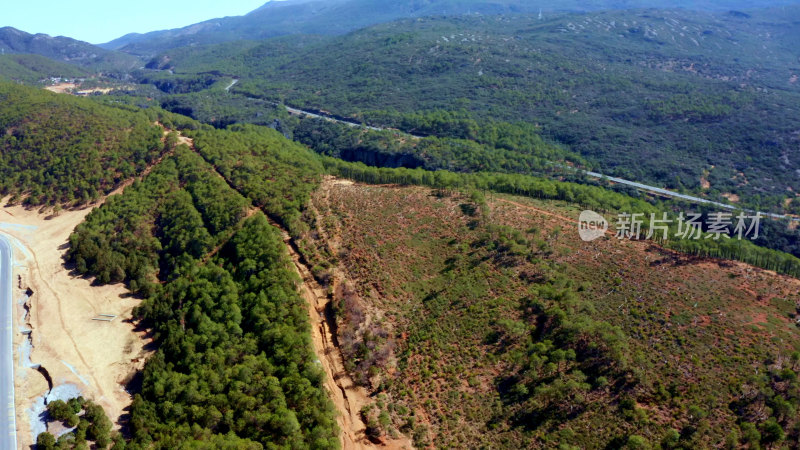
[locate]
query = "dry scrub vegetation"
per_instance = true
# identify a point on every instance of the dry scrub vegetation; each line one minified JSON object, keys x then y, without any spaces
{"x":451,"y":310}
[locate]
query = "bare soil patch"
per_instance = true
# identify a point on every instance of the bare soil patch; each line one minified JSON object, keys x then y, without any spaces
{"x":733,"y":198}
{"x":97,"y":356}
{"x":61,"y":88}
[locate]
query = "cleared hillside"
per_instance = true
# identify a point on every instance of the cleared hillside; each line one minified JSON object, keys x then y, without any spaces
{"x":496,"y":325}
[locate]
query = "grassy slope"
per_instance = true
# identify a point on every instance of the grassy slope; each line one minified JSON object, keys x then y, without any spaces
{"x":446,"y":318}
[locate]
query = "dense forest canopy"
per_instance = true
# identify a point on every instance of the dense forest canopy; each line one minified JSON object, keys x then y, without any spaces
{"x":234,"y":365}
{"x":62,"y":149}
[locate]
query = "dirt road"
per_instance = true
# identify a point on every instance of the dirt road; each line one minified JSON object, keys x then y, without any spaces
{"x":348,"y":398}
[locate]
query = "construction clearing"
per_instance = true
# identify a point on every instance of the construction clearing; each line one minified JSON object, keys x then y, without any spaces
{"x":72,"y":336}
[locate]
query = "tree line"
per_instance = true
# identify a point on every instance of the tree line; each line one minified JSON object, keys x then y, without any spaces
{"x":234,"y":365}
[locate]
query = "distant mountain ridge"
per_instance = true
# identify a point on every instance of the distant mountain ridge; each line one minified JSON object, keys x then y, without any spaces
{"x":64,"y":49}
{"x":31,"y":69}
{"x":329,"y":17}
{"x":630,"y":90}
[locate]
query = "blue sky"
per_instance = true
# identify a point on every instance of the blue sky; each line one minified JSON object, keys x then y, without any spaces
{"x":99,"y":21}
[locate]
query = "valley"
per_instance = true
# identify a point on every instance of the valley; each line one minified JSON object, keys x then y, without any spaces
{"x":617,"y":96}
{"x":352,"y":224}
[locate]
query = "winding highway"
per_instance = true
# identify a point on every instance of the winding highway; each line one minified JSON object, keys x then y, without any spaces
{"x":690,"y":198}
{"x":302,"y":112}
{"x":8,"y":423}
{"x":634,"y":184}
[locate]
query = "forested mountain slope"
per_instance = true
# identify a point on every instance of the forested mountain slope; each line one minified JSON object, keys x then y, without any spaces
{"x":234,"y":366}
{"x":551,"y":361}
{"x":673,"y":98}
{"x":327,"y":17}
{"x":306,"y":17}
{"x":31,"y":69}
{"x":462,"y":299}
{"x":67,"y":50}
{"x":67,"y":150}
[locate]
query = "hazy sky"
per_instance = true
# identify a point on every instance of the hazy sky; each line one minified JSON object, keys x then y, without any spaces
{"x":99,"y":21}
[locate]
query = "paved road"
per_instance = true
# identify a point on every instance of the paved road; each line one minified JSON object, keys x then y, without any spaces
{"x":228,"y":89}
{"x":690,"y":198}
{"x":8,"y":424}
{"x":300,"y":112}
{"x":635,"y":184}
